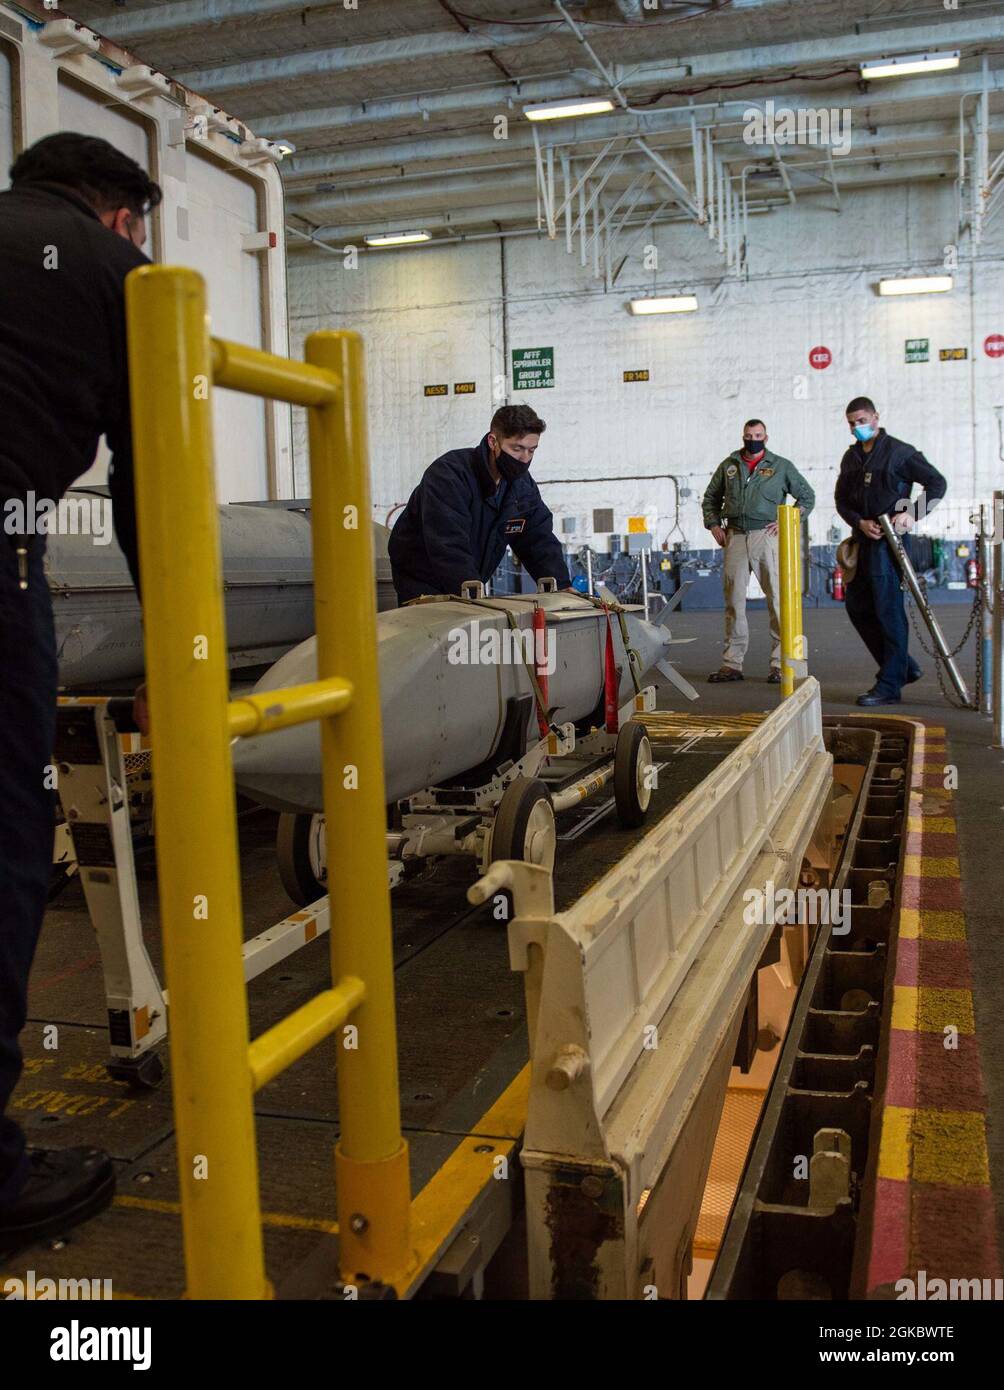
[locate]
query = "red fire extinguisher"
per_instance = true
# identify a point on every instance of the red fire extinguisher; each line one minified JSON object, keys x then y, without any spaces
{"x":838,"y":584}
{"x":973,"y":574}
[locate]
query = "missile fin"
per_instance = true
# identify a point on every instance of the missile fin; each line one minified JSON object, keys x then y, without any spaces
{"x":673,"y":676}
{"x":673,"y":603}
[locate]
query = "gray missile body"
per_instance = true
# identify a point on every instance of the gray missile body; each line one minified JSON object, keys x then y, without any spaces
{"x":267,"y":583}
{"x":449,"y":673}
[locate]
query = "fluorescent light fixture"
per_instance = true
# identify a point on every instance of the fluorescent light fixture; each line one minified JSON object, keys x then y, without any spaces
{"x":911,"y":65}
{"x":561,"y":110}
{"x":396,"y":238}
{"x":674,"y":304}
{"x":917,"y":284}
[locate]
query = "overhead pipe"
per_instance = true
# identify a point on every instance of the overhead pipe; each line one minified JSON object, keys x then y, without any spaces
{"x":459,"y":238}
{"x":697,"y":149}
{"x":566,"y":172}
{"x":491,"y":97}
{"x":432,"y":213}
{"x":318,"y":62}
{"x":191,"y":15}
{"x":437,"y":177}
{"x":699,"y":68}
{"x":595,"y":130}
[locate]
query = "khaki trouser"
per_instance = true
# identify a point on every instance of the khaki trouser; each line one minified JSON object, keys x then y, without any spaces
{"x":754,"y":552}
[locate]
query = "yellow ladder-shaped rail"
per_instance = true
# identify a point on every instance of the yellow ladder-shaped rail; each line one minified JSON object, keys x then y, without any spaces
{"x":216,"y":1069}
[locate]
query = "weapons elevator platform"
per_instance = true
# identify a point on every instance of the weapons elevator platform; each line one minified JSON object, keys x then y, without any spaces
{"x":462,"y":1039}
{"x":463,"y":1048}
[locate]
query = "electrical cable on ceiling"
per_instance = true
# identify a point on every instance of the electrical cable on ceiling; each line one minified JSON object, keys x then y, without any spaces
{"x":701,"y":13}
{"x":746,"y":82}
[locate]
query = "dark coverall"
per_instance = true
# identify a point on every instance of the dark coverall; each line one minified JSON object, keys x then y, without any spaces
{"x":457,"y":525}
{"x":63,"y":383}
{"x":869,"y":486}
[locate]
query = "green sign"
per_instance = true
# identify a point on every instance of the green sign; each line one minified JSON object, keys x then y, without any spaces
{"x":532,"y":368}
{"x":918,"y":349}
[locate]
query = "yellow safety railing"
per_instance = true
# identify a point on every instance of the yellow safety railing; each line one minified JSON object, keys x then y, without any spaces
{"x":173,"y":367}
{"x":789,"y":529}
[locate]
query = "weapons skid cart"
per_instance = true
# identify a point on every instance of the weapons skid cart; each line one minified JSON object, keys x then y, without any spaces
{"x":505,"y":806}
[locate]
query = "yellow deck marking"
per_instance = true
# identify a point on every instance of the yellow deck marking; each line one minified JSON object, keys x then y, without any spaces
{"x":283,"y":1219}
{"x":928,"y":866}
{"x":937,"y":825}
{"x":932,"y":925}
{"x":934,"y":1146}
{"x":931,"y":1010}
{"x":443,"y":1201}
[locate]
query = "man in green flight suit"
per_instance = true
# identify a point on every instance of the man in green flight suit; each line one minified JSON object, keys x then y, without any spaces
{"x":740,"y":511}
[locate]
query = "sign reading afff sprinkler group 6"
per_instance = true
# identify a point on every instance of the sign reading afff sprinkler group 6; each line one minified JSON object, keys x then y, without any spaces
{"x":532,"y":368}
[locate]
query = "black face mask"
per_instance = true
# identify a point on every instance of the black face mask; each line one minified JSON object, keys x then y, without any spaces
{"x":510,"y":468}
{"x":753,"y":446}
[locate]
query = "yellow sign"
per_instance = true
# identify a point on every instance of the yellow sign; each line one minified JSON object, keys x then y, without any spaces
{"x":637,"y":376}
{"x":637,"y":525}
{"x":464,"y":388}
{"x":443,"y":390}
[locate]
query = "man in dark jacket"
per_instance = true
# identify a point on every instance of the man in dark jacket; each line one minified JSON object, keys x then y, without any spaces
{"x":471,"y":504}
{"x":71,"y":227}
{"x":877,"y":474}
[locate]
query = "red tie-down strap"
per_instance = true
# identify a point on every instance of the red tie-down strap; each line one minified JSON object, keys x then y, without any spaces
{"x":540,"y":662}
{"x":611,"y":682}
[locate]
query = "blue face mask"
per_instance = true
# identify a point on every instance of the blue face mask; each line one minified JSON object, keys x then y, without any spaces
{"x":864,"y":432}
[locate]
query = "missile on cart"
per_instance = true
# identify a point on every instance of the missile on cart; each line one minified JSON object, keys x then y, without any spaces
{"x":267,"y":583}
{"x":456,"y":695}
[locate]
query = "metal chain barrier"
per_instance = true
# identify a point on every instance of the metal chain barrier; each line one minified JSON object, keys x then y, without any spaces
{"x":975,"y":617}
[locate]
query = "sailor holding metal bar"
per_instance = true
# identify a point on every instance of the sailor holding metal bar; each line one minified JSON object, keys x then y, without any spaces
{"x":471,"y":504}
{"x":877,"y":474}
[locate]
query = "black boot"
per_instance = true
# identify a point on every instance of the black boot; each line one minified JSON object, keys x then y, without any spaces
{"x":64,"y":1187}
{"x":877,"y":697}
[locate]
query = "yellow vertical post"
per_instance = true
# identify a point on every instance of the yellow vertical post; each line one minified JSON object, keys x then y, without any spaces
{"x":790,"y":577}
{"x":371,"y":1156}
{"x":186,"y":669}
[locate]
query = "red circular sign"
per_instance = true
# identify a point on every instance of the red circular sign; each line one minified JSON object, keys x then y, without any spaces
{"x":820,"y":357}
{"x":993,"y":346}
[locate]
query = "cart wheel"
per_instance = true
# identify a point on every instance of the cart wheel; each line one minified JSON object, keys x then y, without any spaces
{"x":144,"y":1073}
{"x":632,"y":760}
{"x":524,"y":824}
{"x":303,"y":869}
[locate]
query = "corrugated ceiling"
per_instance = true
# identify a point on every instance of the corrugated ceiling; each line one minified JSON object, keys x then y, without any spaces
{"x":548,"y":54}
